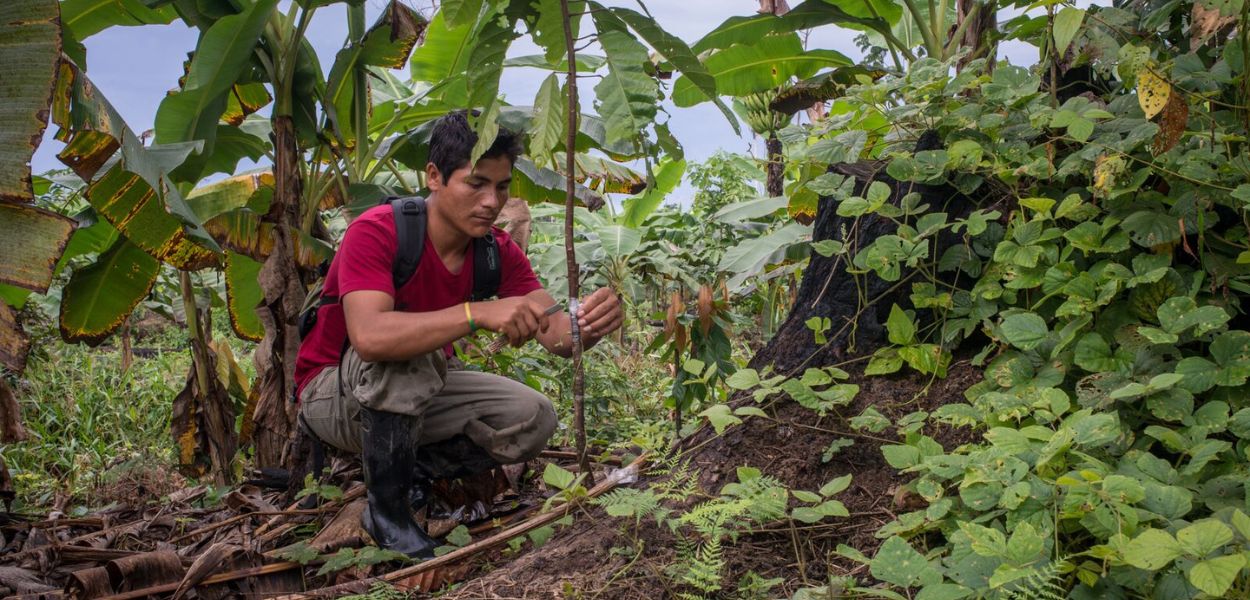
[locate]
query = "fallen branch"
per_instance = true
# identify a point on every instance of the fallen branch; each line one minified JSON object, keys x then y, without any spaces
{"x":222,"y":578}
{"x":499,"y":539}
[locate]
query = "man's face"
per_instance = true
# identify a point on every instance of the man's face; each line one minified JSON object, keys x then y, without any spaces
{"x":472,"y":197}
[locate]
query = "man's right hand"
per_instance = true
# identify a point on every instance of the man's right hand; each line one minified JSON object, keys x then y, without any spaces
{"x":518,"y":318}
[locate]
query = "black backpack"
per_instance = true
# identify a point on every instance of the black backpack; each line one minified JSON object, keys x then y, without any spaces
{"x":410,"y":220}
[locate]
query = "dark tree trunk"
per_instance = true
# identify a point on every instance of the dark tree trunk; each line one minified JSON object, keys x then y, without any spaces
{"x":857,"y":305}
{"x":274,"y":417}
{"x":776,"y":167}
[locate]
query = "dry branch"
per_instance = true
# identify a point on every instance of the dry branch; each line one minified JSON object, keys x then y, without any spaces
{"x":494,"y":541}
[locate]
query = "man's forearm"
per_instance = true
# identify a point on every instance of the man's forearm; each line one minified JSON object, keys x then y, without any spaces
{"x":396,"y":335}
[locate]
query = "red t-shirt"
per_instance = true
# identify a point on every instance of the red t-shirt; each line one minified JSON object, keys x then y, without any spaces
{"x":364,"y":261}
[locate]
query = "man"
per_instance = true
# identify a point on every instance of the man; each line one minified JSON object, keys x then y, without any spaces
{"x":372,"y":374}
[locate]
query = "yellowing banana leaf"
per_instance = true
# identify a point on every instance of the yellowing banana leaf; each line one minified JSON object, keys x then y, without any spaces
{"x":14,"y":343}
{"x":245,"y":99}
{"x":242,"y":231}
{"x":535,"y":184}
{"x":31,"y":241}
{"x":243,"y":295}
{"x":30,"y":51}
{"x":601,"y":174}
{"x":135,"y":194}
{"x":100,"y":296}
{"x":228,"y":194}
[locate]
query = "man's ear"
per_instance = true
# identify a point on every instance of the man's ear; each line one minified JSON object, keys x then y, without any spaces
{"x":433,"y":179}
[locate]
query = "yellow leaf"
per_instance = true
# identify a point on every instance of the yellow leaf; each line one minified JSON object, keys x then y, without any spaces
{"x":1152,"y":92}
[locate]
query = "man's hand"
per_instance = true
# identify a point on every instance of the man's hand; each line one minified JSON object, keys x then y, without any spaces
{"x":599,"y":314}
{"x":518,"y":317}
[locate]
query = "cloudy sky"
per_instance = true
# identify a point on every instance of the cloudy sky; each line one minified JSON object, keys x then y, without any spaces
{"x":135,"y":66}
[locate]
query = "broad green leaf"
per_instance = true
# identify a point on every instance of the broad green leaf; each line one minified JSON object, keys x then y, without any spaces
{"x":813,"y":13}
{"x":675,"y":51}
{"x":902,"y":330}
{"x":100,"y":296}
{"x":720,"y":416}
{"x":667,"y":176}
{"x":1154,"y":549}
{"x":556,"y":477}
{"x":749,"y":257}
{"x":897,"y":562}
{"x":88,"y":17}
{"x":458,"y":12}
{"x":1204,"y":537}
{"x":836,"y":486}
{"x":31,"y":241}
{"x":1067,"y":24}
{"x":749,"y":209}
{"x":222,"y":53}
{"x":443,"y":57}
{"x":618,"y":241}
{"x":387,"y":44}
{"x":483,"y":72}
{"x":1214,"y":576}
{"x":743,"y":379}
{"x":1024,"y":330}
{"x":756,"y":67}
{"x":244,"y":296}
{"x":549,"y":120}
{"x":549,"y":27}
{"x":626,"y":96}
{"x":30,"y":53}
{"x":586,"y":63}
{"x":900,"y":456}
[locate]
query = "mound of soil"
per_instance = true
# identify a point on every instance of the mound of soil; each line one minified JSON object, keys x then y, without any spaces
{"x":595,"y":557}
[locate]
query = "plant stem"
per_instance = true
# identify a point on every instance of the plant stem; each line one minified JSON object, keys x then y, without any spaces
{"x":931,"y":45}
{"x":570,"y":252}
{"x":199,"y":346}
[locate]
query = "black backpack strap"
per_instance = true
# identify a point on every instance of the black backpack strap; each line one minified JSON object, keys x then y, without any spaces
{"x":487,"y":267}
{"x":410,"y":220}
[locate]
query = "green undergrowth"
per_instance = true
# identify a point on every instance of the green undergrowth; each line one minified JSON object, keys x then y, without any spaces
{"x":91,"y":424}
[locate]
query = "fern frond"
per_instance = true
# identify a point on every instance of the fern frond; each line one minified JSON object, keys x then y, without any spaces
{"x":1044,"y":582}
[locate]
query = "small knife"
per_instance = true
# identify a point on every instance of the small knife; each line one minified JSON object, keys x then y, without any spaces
{"x":498,"y":343}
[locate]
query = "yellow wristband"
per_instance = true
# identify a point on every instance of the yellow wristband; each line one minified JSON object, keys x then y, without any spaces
{"x":469,"y":315}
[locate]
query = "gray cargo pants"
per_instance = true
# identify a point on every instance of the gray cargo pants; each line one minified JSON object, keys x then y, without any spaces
{"x":508,"y":420}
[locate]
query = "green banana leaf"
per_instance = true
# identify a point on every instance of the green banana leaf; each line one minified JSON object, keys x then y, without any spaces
{"x":85,"y":18}
{"x":749,"y":68}
{"x":388,"y":43}
{"x":100,"y":296}
{"x":223,"y":52}
{"x":813,"y":13}
{"x":626,"y":96}
{"x":243,"y":295}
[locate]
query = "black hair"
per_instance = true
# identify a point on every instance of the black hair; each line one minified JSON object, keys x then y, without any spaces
{"x":452,"y":141}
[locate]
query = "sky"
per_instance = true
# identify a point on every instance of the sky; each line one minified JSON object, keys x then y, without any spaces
{"x":134,"y":67}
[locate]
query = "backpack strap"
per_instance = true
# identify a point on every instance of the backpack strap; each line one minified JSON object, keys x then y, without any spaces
{"x":410,"y":221}
{"x":487,"y":268}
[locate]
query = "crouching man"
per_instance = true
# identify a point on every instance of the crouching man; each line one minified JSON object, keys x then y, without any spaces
{"x":373,"y":374}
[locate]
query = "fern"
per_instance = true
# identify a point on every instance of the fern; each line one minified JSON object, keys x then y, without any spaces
{"x":1044,"y":582}
{"x":379,"y":591}
{"x":704,"y":572}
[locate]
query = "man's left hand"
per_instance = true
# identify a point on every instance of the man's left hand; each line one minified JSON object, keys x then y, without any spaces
{"x":599,"y":314}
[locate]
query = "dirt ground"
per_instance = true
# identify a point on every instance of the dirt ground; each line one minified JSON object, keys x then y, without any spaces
{"x":592,"y":558}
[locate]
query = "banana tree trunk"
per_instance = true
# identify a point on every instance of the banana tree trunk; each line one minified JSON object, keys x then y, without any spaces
{"x":776,"y":167}
{"x":274,"y":417}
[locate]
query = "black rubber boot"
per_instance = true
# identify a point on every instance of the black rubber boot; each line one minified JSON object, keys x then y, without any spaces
{"x":390,"y":451}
